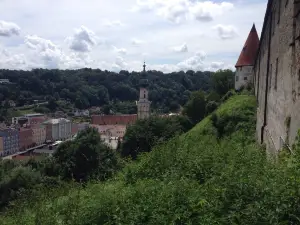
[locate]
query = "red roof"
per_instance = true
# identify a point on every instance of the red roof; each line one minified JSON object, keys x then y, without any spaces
{"x":113,"y":119}
{"x":248,"y":54}
{"x":37,"y":120}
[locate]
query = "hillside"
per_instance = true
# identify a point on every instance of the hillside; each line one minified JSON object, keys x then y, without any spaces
{"x":94,"y":87}
{"x":214,"y":174}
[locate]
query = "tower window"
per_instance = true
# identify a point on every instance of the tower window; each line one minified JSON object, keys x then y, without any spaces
{"x":144,"y":95}
{"x":236,"y":78}
{"x":245,"y":78}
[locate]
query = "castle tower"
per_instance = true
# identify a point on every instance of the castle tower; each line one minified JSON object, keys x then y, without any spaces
{"x":143,"y":105}
{"x":245,"y":63}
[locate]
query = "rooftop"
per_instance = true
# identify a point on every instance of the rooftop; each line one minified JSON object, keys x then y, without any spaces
{"x":33,"y":115}
{"x":56,"y":121}
{"x":248,"y":54}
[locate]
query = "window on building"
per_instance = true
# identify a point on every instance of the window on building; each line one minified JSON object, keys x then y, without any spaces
{"x":245,"y":78}
{"x":236,"y":78}
{"x":276,"y":74}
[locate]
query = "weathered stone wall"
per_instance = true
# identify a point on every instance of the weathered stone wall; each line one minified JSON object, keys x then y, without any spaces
{"x":295,"y":115}
{"x":243,"y":76}
{"x":275,"y":78}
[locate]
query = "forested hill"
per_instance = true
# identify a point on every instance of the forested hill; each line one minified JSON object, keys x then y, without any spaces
{"x":94,"y":87}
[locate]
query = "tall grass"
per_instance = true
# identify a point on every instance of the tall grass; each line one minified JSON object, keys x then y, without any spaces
{"x":196,"y":178}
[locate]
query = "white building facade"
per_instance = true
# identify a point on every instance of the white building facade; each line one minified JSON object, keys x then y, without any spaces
{"x":243,"y":76}
{"x":59,"y":129}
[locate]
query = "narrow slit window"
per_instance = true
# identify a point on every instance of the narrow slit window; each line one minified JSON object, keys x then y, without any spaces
{"x":276,"y":75}
{"x":270,"y":77}
{"x":279,"y":11}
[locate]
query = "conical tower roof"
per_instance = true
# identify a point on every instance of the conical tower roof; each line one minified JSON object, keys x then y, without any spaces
{"x":248,"y":54}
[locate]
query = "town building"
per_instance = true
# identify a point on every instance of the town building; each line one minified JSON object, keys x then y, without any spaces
{"x":9,"y":141}
{"x":110,"y":130}
{"x":244,"y":66}
{"x":58,"y":129}
{"x":38,"y":134}
{"x":25,"y":138}
{"x":83,"y":113}
{"x":114,"y":119}
{"x":4,"y":81}
{"x":10,"y":103}
{"x":277,"y":76}
{"x":110,"y":134}
{"x":29,"y":118}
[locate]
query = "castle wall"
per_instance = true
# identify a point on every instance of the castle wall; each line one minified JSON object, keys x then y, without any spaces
{"x":243,"y":76}
{"x":275,"y":78}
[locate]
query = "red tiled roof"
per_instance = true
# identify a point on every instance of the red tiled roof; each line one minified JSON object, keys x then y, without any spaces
{"x":37,"y":120}
{"x":114,"y":119}
{"x":248,"y":54}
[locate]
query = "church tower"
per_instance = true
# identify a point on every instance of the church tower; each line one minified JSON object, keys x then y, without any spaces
{"x":143,"y":105}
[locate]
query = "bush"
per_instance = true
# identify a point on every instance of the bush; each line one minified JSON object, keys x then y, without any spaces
{"x":87,"y":157}
{"x":210,"y":107}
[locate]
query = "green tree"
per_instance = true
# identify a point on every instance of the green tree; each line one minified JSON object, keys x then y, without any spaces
{"x":145,"y":134}
{"x":86,"y":157}
{"x":195,"y":107}
{"x":52,"y":105}
{"x":223,"y":81}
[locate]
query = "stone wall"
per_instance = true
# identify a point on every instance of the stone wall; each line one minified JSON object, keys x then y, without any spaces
{"x":278,"y":113}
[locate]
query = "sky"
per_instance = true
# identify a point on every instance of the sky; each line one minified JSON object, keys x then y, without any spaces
{"x":170,"y":35}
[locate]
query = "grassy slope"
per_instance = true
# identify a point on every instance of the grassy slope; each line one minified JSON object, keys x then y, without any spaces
{"x":192,"y":179}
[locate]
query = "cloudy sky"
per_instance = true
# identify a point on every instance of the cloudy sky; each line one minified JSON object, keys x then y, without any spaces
{"x":170,"y":35}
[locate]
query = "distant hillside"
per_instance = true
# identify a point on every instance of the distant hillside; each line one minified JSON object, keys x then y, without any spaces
{"x":214,"y":174}
{"x":94,"y":87}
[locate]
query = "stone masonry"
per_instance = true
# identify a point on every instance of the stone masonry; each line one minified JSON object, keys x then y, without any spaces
{"x":277,"y":75}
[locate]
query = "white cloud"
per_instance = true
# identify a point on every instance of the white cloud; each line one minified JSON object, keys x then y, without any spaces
{"x":226,"y":32}
{"x":195,"y":62}
{"x":136,"y":42}
{"x":122,"y":51}
{"x":182,"y":10}
{"x":206,"y":11}
{"x":15,"y":61}
{"x":8,"y":29}
{"x":49,"y":52}
{"x":83,"y":40}
{"x":114,"y":23}
{"x":119,"y":64}
{"x":217,"y":65}
{"x":181,"y":48}
{"x":38,"y":43}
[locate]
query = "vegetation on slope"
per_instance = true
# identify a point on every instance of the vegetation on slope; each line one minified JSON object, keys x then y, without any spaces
{"x":200,"y":177}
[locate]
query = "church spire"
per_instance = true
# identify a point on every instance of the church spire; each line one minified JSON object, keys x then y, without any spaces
{"x":144,"y":66}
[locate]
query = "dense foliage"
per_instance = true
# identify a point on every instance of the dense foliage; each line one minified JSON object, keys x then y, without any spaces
{"x":84,"y":158}
{"x":94,"y":87}
{"x":145,"y":134}
{"x":196,"y":178}
{"x":213,"y":174}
